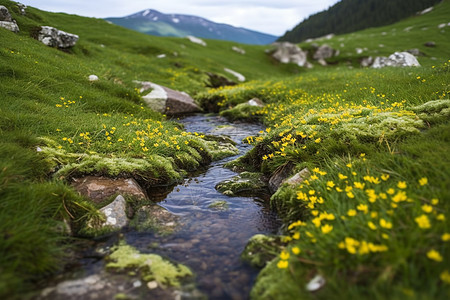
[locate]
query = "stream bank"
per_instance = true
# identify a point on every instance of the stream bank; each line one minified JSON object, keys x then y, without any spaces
{"x":208,"y":232}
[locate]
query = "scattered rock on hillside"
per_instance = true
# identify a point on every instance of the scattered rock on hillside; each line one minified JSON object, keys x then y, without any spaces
{"x":255,"y":102}
{"x":366,"y":61}
{"x":216,"y":80}
{"x":286,"y":52}
{"x":415,"y":52}
{"x":238,"y":50}
{"x":168,"y":101}
{"x":196,"y":40}
{"x":6,"y":21}
{"x":430,"y":44}
{"x":93,"y":77}
{"x":100,"y":188}
{"x":116,"y":213}
{"x":53,"y":37}
{"x":239,"y":76}
{"x":22,"y":8}
{"x":427,"y":10}
{"x":324,"y":52}
{"x":398,"y":59}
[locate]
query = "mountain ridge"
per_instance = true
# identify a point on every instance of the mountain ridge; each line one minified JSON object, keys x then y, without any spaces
{"x":153,"y":22}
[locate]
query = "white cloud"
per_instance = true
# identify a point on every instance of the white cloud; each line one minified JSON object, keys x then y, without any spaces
{"x":268,"y":16}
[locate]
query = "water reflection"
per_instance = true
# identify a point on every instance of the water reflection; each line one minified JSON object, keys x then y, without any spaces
{"x":210,"y":241}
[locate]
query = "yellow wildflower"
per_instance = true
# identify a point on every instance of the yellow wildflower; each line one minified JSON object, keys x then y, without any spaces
{"x":446,"y":237}
{"x":282,"y":264}
{"x":423,"y":181}
{"x":385,"y":224}
{"x":296,"y":250}
{"x":284,"y":255}
{"x":434,"y":201}
{"x":342,"y":177}
{"x":296,"y":236}
{"x":371,"y":225}
{"x":363,"y":207}
{"x":423,"y":221}
{"x":434,"y":255}
{"x":445,"y":276}
{"x":385,"y":177}
{"x":440,"y":217}
{"x":330,"y":184}
{"x":427,"y":208}
{"x":326,"y":228}
{"x":401,"y":184}
{"x":390,"y":191}
{"x":359,"y":185}
{"x":351,"y":213}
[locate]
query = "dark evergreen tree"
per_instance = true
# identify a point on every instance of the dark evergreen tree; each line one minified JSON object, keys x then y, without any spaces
{"x":353,"y":15}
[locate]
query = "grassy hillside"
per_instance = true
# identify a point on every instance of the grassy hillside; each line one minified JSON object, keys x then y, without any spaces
{"x":410,"y":33}
{"x":334,"y":120}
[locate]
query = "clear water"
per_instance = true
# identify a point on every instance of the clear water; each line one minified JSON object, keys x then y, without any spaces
{"x":210,"y":241}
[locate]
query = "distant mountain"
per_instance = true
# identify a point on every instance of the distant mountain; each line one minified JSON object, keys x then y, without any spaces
{"x":352,"y":15}
{"x":155,"y":23}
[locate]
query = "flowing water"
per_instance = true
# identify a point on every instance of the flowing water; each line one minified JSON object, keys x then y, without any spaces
{"x":209,"y":240}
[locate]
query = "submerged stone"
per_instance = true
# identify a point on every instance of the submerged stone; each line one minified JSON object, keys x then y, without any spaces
{"x":246,"y":183}
{"x":219,"y":205}
{"x":155,"y":218}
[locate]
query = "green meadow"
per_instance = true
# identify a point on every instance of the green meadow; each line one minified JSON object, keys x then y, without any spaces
{"x":372,"y":217}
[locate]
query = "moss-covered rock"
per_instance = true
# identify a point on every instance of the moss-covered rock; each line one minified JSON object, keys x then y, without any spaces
{"x":219,"y":205}
{"x":433,"y":111}
{"x":242,"y":111}
{"x":246,"y":183}
{"x":261,"y":249}
{"x":151,"y":267}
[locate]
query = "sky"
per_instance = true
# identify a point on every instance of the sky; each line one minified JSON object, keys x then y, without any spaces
{"x":267,"y":16}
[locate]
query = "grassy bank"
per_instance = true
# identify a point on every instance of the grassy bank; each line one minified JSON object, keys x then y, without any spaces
{"x":372,"y":219}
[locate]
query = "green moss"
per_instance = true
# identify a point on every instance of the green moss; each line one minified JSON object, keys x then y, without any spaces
{"x":433,"y":111}
{"x":261,"y":249}
{"x":219,"y":150}
{"x":246,"y":183}
{"x":150,"y":266}
{"x":154,"y":168}
{"x":242,"y":111}
{"x":219,"y":205}
{"x":276,"y":284}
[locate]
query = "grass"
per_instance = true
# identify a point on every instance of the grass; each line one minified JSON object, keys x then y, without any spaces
{"x":368,"y":234}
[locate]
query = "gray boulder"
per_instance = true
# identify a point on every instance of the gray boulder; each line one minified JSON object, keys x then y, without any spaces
{"x":53,"y":37}
{"x":286,"y":52}
{"x":324,"y":52}
{"x":6,"y":21}
{"x":366,"y":61}
{"x":430,"y":44}
{"x":168,"y":101}
{"x":116,"y":213}
{"x":398,"y":59}
{"x":4,"y":14}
